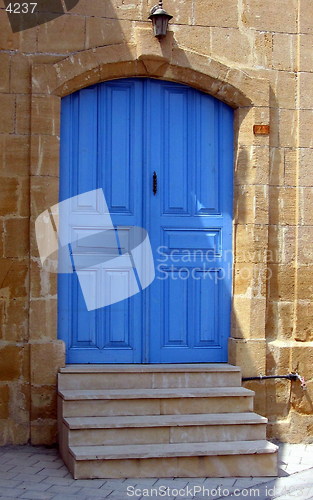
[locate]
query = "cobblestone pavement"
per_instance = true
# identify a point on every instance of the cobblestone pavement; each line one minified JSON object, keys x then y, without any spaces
{"x":38,"y":473}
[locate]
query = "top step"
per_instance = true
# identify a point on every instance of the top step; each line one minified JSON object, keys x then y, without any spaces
{"x":158,"y":376}
{"x":151,"y":368}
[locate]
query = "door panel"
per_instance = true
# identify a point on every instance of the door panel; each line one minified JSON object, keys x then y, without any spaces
{"x":114,"y":136}
{"x":191,"y":216}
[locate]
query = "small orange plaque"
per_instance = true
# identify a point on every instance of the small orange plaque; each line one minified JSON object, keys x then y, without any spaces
{"x":261,"y":129}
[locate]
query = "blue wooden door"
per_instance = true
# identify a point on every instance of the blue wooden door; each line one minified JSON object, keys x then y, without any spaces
{"x":162,"y":153}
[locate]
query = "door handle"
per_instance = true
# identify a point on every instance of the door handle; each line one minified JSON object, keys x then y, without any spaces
{"x":155,"y":183}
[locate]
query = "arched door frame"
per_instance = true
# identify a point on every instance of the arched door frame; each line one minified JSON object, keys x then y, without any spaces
{"x":247,"y":94}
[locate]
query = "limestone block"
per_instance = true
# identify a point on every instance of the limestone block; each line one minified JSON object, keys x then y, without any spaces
{"x":16,"y":237}
{"x":278,"y":357}
{"x":43,"y":402}
{"x":265,"y":15}
{"x":45,"y":155}
{"x":43,"y":432}
{"x":196,"y":38}
{"x":22,"y":115}
{"x":232,"y":44}
{"x":250,"y":355}
{"x":282,"y":244}
{"x":101,"y":31}
{"x":251,"y":204}
{"x":4,"y":401}
{"x":284,"y":89}
{"x":24,"y":196}
{"x":305,"y":282}
{"x":14,"y":155}
{"x":306,"y":90}
{"x":250,"y":279}
{"x":305,"y":124}
{"x":25,"y":41}
{"x":181,"y":10}
{"x":20,"y":402}
{"x":20,"y":73}
{"x":45,"y":115}
{"x":14,"y":362}
{"x":287,"y":128}
{"x":281,"y":282}
{"x":14,"y":283}
{"x":71,"y":34}
{"x":250,"y":243}
{"x":305,"y":56}
{"x":304,"y":322}
{"x":305,"y":17}
{"x":301,"y":400}
{"x":43,"y":319}
{"x":248,"y":317}
{"x":46,"y":359}
{"x":302,"y":359}
{"x":277,"y":397}
{"x":277,"y":166}
{"x":15,"y":328}
{"x":216,"y":13}
{"x":290,"y":164}
{"x":9,"y":196}
{"x":284,"y":54}
{"x":5,"y":61}
{"x":43,"y":283}
{"x":305,"y":247}
{"x":251,"y":165}
{"x":305,"y":202}
{"x":282,"y":205}
{"x":45,"y":191}
{"x":262,"y":49}
{"x":305,"y":167}
{"x":280,"y":320}
{"x":7,"y":106}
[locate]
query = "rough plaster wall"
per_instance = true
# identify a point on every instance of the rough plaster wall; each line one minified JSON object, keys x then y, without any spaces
{"x":264,"y":35}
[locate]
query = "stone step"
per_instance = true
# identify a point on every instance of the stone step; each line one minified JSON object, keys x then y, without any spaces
{"x":84,"y":403}
{"x":222,"y":459}
{"x":165,"y":429}
{"x":148,"y":376}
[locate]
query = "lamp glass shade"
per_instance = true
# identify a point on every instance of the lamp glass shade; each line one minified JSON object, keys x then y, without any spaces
{"x":160,"y":19}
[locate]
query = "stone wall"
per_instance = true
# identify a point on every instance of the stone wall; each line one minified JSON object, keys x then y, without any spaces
{"x":254,"y":55}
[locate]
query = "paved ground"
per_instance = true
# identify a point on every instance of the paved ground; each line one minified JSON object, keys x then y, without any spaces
{"x":38,"y":473}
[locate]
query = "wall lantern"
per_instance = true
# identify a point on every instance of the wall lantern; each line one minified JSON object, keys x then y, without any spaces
{"x":160,"y":19}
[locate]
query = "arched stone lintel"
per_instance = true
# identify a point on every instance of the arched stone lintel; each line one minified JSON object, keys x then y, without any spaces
{"x":231,"y":85}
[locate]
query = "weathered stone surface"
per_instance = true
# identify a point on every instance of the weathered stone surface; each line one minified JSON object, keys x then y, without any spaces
{"x":46,"y":359}
{"x":249,"y":354}
{"x":4,"y":401}
{"x":282,"y":205}
{"x":282,"y":282}
{"x":71,"y":35}
{"x":9,"y":196}
{"x":15,"y":328}
{"x":284,"y":54}
{"x":16,"y":237}
{"x":216,"y":13}
{"x":266,"y":15}
{"x":101,"y":31}
{"x":43,"y":402}
{"x":13,"y":363}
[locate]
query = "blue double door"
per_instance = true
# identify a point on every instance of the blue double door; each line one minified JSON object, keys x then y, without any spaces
{"x":162,"y":154}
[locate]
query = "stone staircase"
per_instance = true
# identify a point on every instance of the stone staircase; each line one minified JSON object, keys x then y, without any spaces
{"x":182,"y":420}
